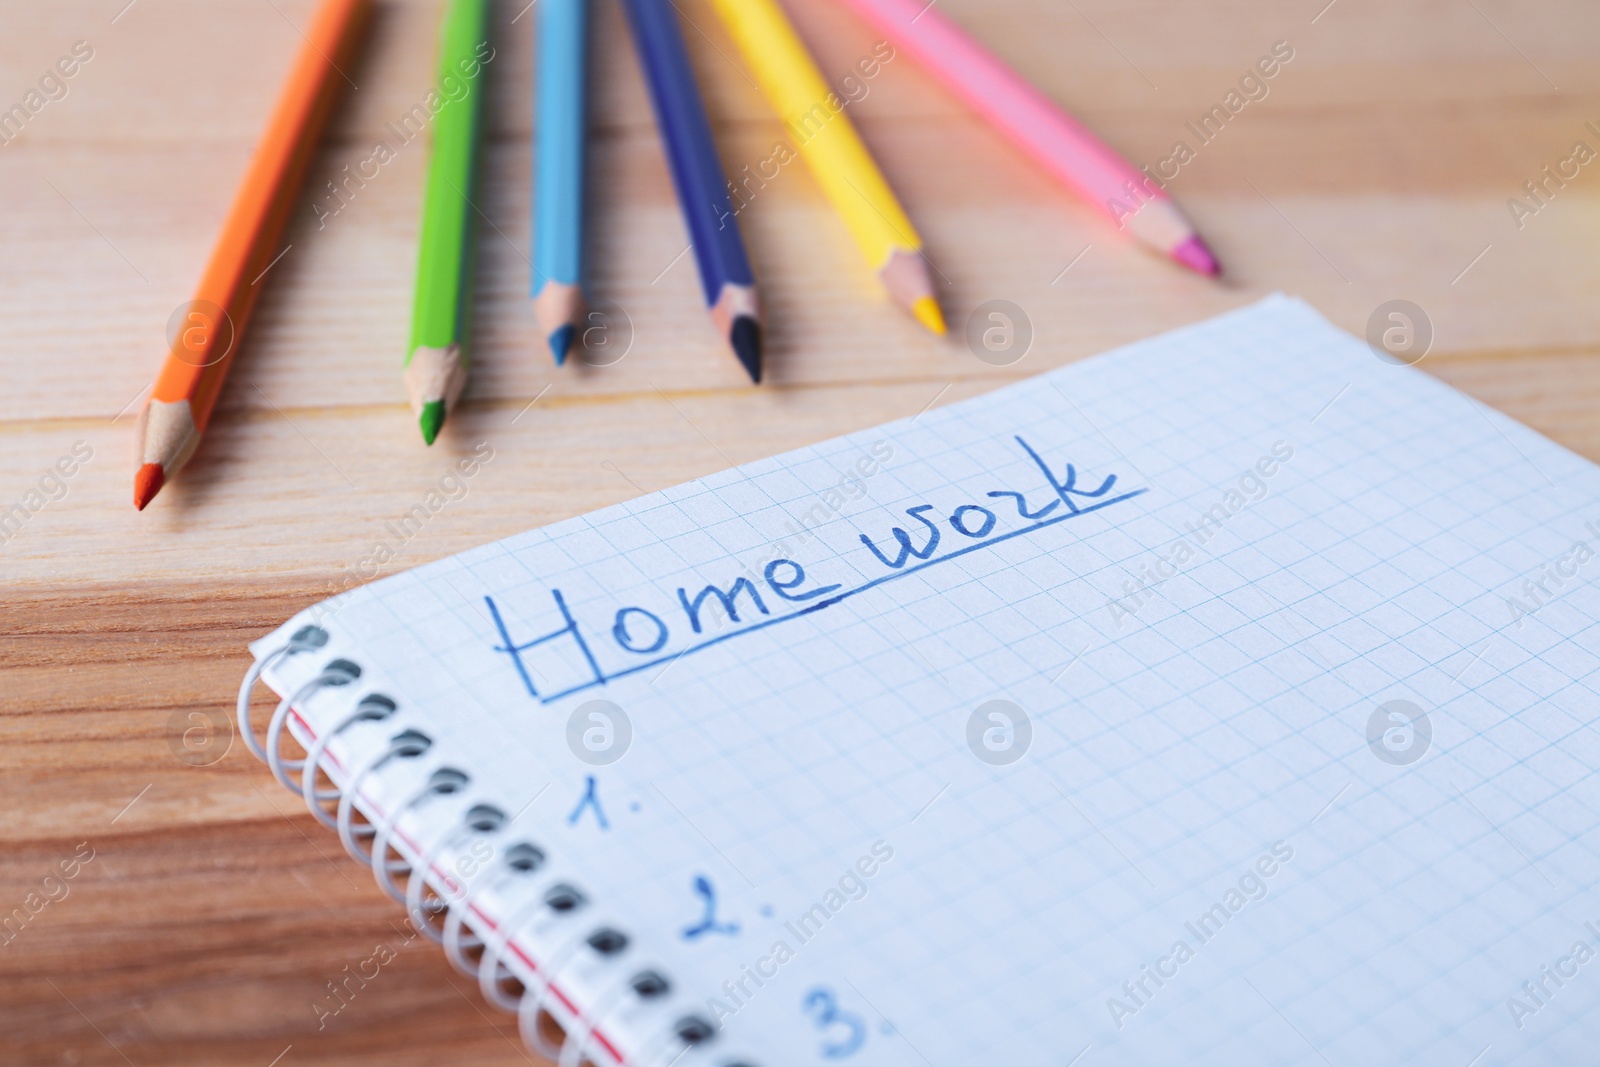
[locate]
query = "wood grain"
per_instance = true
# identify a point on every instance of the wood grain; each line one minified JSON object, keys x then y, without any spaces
{"x":211,"y":917}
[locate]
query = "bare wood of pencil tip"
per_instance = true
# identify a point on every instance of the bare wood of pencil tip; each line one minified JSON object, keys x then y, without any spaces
{"x":838,"y":158}
{"x":1131,"y":198}
{"x":434,"y":380}
{"x":726,"y":280}
{"x":909,"y":282}
{"x":213,"y":323}
{"x":167,"y":438}
{"x":559,"y":308}
{"x":737,"y":317}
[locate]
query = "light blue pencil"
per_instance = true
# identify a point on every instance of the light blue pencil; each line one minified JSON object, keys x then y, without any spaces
{"x":558,"y":172}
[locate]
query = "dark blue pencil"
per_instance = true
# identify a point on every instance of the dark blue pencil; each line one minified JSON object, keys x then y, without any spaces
{"x":698,"y":175}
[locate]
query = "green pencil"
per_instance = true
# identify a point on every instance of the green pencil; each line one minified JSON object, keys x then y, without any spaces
{"x":437,"y":357}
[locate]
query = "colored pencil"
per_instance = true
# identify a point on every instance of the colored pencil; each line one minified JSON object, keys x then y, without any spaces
{"x":850,"y":178}
{"x":199,"y":357}
{"x":698,"y":176}
{"x":558,"y":170}
{"x":1061,"y":144}
{"x":437,"y":357}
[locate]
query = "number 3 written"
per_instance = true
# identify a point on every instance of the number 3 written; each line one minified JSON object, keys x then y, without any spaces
{"x":843,"y":1031}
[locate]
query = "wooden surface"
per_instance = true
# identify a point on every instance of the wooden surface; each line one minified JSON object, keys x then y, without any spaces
{"x":211,"y":916}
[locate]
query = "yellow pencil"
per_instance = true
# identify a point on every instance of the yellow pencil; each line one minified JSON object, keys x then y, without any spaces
{"x":814,"y":115}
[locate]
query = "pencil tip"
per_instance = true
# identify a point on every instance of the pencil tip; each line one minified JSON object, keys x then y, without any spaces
{"x":926,"y":310}
{"x":147,"y":483}
{"x":746,"y":340}
{"x":561,"y":343}
{"x":431,"y":420}
{"x":1194,"y":254}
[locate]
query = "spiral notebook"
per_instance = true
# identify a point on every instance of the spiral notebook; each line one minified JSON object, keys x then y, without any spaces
{"x":1226,"y":698}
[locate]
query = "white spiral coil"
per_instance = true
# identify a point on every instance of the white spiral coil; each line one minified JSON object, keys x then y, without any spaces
{"x":552,"y":907}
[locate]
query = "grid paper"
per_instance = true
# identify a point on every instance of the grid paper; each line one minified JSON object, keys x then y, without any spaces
{"x":1202,"y":770}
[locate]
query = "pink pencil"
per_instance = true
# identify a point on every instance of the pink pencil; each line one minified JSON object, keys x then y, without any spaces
{"x":1130,"y":198}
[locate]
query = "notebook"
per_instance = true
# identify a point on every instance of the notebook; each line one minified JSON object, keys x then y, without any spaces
{"x":1226,"y":698}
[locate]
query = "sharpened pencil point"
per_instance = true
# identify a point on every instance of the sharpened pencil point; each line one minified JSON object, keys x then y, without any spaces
{"x":746,"y":339}
{"x":927,"y":312}
{"x":561,"y":343}
{"x":431,"y":419}
{"x":147,"y":483}
{"x":1194,"y":254}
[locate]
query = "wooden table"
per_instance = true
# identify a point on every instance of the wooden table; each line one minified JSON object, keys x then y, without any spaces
{"x":212,"y":915}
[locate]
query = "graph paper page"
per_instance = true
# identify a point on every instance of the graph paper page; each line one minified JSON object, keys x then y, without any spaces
{"x":1227,"y":698}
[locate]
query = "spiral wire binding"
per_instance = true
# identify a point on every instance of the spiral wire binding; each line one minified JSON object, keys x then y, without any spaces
{"x":520,"y":859}
{"x":686,"y":1032}
{"x":645,"y":985}
{"x":407,"y":744}
{"x":481,"y":819}
{"x":374,"y":707}
{"x":561,"y":901}
{"x":446,"y":781}
{"x":339,"y":672}
{"x":604,"y":940}
{"x":305,"y":639}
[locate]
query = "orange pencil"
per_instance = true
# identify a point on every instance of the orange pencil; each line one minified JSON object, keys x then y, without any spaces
{"x":212,"y":324}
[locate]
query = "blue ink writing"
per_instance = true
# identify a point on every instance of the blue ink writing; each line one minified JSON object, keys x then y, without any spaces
{"x":590,"y":799}
{"x":1022,"y":504}
{"x":708,"y":923}
{"x":623,"y":636}
{"x":1067,"y":489}
{"x":728,"y":600}
{"x":906,"y":551}
{"x":516,"y":651}
{"x":560,"y":660}
{"x":823,"y":1008}
{"x":797,"y":577}
{"x":985,"y":524}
